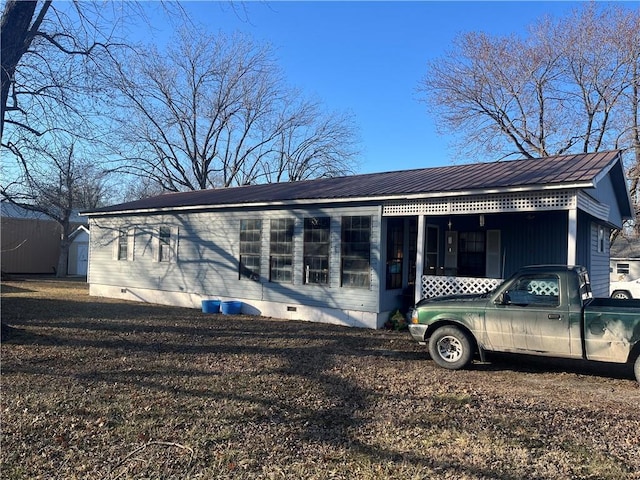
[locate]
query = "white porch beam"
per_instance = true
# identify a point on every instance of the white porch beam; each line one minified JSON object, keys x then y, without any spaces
{"x":419,"y":258}
{"x":572,"y":235}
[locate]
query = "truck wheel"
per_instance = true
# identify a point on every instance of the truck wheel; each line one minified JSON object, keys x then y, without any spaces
{"x":621,"y":295}
{"x":636,"y":369}
{"x":450,"y":347}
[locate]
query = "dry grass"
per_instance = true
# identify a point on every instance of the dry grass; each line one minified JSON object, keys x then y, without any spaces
{"x":103,"y":389}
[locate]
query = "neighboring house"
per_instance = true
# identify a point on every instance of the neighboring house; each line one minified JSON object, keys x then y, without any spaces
{"x":625,"y":267}
{"x":30,"y":240}
{"x":625,"y":259}
{"x":79,"y":252}
{"x":347,"y":250}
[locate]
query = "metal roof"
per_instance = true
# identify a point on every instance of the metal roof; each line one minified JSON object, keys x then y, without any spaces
{"x":563,"y":171}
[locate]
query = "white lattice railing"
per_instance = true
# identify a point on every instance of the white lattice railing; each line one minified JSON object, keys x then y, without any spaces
{"x":439,"y":286}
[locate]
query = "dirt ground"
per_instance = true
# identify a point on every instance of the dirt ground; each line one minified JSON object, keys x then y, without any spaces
{"x":103,"y":389}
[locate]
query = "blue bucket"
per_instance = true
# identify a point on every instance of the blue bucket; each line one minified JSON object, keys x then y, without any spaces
{"x":232,"y":307}
{"x":211,"y":306}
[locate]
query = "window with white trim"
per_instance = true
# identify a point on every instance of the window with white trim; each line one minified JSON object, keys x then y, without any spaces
{"x":250,"y":248}
{"x":356,"y":252}
{"x":281,"y":250}
{"x":166,"y":244}
{"x":123,"y":244}
{"x":316,"y":250}
{"x":601,"y":239}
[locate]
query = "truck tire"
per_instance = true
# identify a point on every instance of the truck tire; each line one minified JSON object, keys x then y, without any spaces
{"x":621,"y":295}
{"x":450,"y":348}
{"x":636,"y":368}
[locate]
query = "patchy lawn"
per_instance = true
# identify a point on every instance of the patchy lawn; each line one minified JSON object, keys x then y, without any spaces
{"x":104,"y":389}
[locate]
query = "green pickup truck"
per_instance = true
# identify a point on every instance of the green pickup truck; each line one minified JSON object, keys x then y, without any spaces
{"x":541,"y":310}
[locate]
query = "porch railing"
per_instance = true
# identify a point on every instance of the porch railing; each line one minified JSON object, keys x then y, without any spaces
{"x":439,"y":286}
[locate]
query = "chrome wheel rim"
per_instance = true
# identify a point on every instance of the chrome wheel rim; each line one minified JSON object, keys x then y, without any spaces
{"x":450,"y":348}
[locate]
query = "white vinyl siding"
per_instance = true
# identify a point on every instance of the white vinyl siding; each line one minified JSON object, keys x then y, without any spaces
{"x":209,"y":251}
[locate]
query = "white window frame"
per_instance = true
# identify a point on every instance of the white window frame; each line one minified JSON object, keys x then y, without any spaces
{"x":172,"y":246}
{"x":130,"y":234}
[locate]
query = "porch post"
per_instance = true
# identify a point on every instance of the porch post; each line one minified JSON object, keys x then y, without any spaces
{"x":419,"y":258}
{"x":572,"y":234}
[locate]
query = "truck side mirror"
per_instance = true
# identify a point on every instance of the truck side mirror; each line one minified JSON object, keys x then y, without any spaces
{"x":502,"y":299}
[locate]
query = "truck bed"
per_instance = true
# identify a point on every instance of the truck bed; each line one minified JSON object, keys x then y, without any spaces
{"x":612,"y":327}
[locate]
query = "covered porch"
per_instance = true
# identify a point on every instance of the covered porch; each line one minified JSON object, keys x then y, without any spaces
{"x":467,"y":244}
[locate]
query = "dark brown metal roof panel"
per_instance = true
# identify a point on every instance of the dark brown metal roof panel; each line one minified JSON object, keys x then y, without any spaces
{"x":549,"y":171}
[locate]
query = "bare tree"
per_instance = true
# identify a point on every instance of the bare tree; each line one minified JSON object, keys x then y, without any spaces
{"x":569,"y":85}
{"x":51,"y":102}
{"x":213,"y":112}
{"x":63,"y":182}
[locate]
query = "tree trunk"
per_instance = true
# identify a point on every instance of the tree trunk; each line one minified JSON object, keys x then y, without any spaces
{"x":15,"y":40}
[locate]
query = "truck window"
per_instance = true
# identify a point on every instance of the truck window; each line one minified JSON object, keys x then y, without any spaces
{"x":535,"y":291}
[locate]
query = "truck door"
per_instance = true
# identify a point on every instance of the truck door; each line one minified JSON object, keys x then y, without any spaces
{"x":530,"y":317}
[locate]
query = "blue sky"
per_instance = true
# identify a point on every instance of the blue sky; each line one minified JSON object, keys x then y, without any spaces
{"x":368,"y":58}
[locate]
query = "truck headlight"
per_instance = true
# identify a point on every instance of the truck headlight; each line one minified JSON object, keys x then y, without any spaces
{"x":414,"y":316}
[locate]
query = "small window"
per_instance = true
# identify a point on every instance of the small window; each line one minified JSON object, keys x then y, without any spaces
{"x":316,"y":250}
{"x":250,"y":248}
{"x":601,"y":239}
{"x":622,"y":268}
{"x":356,"y":252}
{"x":123,"y":245}
{"x":281,"y":250}
{"x":165,"y":244}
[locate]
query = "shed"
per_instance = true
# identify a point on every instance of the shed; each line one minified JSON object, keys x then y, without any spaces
{"x":351,"y":250}
{"x":79,"y":251}
{"x":30,"y":240}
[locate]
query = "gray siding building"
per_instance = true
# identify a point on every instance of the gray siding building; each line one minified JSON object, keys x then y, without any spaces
{"x":351,"y":250}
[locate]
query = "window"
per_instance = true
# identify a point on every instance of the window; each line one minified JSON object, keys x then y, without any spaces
{"x":471,"y":254}
{"x":123,"y":245}
{"x":356,"y":251}
{"x":601,"y":239}
{"x":395,"y":252}
{"x":535,"y":291}
{"x":250,"y":240}
{"x":164,"y":253}
{"x":622,"y":268}
{"x":281,"y":250}
{"x":316,"y":250}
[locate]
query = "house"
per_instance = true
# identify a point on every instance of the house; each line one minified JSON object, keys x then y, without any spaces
{"x":625,"y":259}
{"x":30,"y":240}
{"x":348,"y":250}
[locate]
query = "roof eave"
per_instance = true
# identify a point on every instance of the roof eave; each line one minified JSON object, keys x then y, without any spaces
{"x":378,"y":198}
